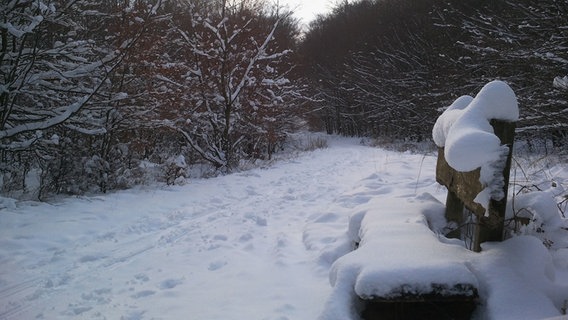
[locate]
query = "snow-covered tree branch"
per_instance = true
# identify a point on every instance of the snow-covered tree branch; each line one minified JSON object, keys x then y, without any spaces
{"x":234,"y":63}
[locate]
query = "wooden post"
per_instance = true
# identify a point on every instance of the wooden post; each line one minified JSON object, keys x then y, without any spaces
{"x":454,"y":213}
{"x":463,"y":187}
{"x":490,"y":228}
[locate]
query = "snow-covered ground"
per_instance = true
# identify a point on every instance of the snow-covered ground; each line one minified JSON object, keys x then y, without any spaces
{"x":258,"y":244}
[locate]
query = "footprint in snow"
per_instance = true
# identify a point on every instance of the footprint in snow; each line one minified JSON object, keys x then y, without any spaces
{"x":134,"y":315}
{"x":353,"y":201}
{"x":289,"y":197}
{"x":75,"y":311}
{"x":260,"y":221}
{"x":100,"y":296}
{"x":245,"y":237}
{"x":286,"y":308}
{"x":170,"y":283}
{"x":281,"y":244}
{"x":251,"y":191}
{"x":142,"y":277}
{"x":328,"y":217}
{"x":143,"y":293}
{"x":90,"y":258}
{"x":220,"y":237}
{"x":216,"y":265}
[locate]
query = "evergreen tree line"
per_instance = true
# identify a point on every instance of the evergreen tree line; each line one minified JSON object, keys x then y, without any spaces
{"x":99,"y":95}
{"x":387,"y":67}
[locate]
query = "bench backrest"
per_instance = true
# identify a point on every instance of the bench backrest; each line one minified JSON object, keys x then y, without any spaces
{"x":463,"y":187}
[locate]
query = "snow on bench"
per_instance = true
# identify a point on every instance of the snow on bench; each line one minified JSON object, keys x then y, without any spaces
{"x":398,"y":259}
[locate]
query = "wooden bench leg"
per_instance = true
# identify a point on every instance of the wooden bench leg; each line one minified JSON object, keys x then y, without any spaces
{"x":454,"y":213}
{"x":491,"y":228}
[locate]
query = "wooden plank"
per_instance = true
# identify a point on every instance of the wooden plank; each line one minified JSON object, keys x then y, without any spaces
{"x":454,"y":213}
{"x":435,"y":305}
{"x":465,"y":185}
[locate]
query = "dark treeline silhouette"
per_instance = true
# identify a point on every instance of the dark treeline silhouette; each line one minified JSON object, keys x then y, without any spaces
{"x":384,"y":68}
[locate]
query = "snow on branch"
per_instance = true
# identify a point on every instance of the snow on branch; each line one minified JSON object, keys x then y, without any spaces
{"x":561,"y":83}
{"x":73,"y":108}
{"x":261,"y":52}
{"x":217,"y":32}
{"x":208,"y":156}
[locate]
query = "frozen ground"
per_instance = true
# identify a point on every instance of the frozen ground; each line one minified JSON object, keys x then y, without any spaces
{"x":252,"y":245}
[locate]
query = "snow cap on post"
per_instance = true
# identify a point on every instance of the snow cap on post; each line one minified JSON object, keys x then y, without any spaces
{"x":446,"y":119}
{"x":497,"y":101}
{"x":466,"y":133}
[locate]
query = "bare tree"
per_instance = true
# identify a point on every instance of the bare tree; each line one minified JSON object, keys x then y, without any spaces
{"x":236,"y":69}
{"x":56,"y":86}
{"x":390,"y":64}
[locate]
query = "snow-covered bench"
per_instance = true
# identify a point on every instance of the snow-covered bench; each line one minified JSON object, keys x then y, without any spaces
{"x":402,"y":268}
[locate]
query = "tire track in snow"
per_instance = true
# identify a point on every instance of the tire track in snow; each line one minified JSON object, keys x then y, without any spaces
{"x":11,"y":308}
{"x":89,"y":259}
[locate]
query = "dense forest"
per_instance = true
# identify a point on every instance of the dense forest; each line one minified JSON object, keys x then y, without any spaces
{"x":386,"y":67}
{"x":99,"y":95}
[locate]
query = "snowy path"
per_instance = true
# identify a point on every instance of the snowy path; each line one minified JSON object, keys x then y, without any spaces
{"x":231,"y":247}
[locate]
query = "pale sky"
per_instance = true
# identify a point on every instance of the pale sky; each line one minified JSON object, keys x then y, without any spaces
{"x":307,"y":10}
